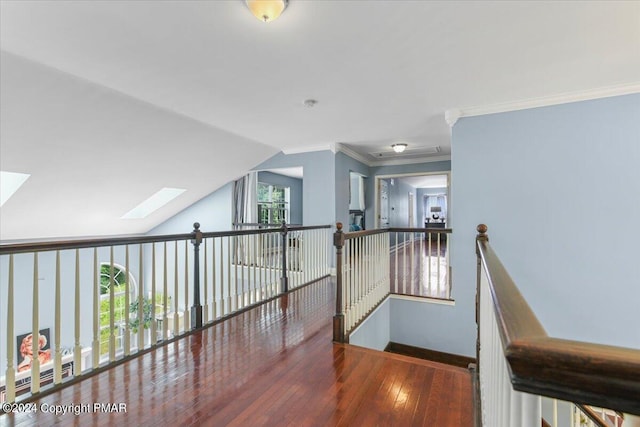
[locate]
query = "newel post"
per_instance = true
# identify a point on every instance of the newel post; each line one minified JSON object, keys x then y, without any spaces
{"x":196,"y":310}
{"x":338,"y":319}
{"x":480,"y":237}
{"x":284,"y":281}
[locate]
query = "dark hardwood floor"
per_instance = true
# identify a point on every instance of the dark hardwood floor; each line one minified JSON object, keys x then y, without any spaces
{"x":421,"y":269}
{"x":274,"y":365}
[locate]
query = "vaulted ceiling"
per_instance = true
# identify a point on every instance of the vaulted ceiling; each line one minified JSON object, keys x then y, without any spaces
{"x":104,"y":102}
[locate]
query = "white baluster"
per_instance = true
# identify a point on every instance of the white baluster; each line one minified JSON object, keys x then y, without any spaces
{"x":187,"y":311}
{"x":176,"y":290}
{"x":214,"y":293}
{"x":165,"y":292}
{"x":205,"y":318}
{"x":141,"y":296}
{"x":112,"y":285}
{"x":35,"y":337}
{"x":229,"y":298}
{"x":125,"y":315}
{"x":95,"y":351}
{"x":57,"y":358}
{"x":77,"y":349}
{"x":10,"y":374}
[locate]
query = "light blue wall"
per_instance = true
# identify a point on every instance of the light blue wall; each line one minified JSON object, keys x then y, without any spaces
{"x":559,"y":188}
{"x":375,"y":331}
{"x":318,"y":186}
{"x":399,"y":203}
{"x":345,"y":165}
{"x":430,"y":325}
{"x":212,"y":212}
{"x":407,"y":322}
{"x":295,"y":192}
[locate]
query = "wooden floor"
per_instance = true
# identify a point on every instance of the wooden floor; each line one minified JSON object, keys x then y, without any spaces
{"x":421,"y":269}
{"x":274,"y":365}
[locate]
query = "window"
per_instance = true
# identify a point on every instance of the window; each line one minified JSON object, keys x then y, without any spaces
{"x":120,"y":311}
{"x":273,"y":203}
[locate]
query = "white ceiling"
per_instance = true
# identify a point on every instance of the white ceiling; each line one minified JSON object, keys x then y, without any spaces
{"x":426,"y":181}
{"x":106,"y":102}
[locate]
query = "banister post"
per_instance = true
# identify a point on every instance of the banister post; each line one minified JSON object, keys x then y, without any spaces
{"x":196,"y":310}
{"x":480,"y":237}
{"x":284,"y":280}
{"x":338,"y":319}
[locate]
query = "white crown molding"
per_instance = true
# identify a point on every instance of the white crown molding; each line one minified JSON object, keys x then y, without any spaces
{"x":389,"y":162}
{"x":451,"y":116}
{"x":354,"y":155}
{"x":299,"y":150}
{"x":563,"y":98}
{"x":410,"y":161}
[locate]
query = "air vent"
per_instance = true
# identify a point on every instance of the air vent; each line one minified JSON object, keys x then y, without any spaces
{"x":409,"y":152}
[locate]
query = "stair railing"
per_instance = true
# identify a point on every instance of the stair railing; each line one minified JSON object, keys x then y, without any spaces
{"x":519,"y":362}
{"x":75,"y":308}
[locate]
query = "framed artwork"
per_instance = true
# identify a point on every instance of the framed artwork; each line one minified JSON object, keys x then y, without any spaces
{"x":25,"y":349}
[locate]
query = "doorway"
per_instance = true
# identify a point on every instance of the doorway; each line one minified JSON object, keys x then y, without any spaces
{"x":394,"y":207}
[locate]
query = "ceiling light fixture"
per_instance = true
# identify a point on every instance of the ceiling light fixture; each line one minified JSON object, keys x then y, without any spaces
{"x":399,"y":148}
{"x":267,"y":10}
{"x":310,"y":103}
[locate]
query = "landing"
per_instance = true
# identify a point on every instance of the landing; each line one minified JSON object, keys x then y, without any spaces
{"x":273,"y":365}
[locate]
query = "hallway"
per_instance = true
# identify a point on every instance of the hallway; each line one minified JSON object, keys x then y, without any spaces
{"x":273,"y":365}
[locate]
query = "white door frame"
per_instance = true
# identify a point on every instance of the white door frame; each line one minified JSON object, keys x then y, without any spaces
{"x":377,"y":178}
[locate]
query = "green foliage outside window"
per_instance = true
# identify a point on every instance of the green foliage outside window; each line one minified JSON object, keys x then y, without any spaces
{"x":272,"y":204}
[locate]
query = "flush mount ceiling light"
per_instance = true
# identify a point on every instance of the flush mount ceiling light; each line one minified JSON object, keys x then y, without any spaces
{"x":267,"y":10}
{"x":399,"y":148}
{"x":310,"y":103}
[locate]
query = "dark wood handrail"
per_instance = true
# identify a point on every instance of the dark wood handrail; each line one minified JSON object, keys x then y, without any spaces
{"x":593,"y":416}
{"x":362,"y":233}
{"x":42,"y":246}
{"x":585,"y":373}
{"x":422,"y":230}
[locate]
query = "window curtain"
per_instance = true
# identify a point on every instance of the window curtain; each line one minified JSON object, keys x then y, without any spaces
{"x":245,"y":200}
{"x":436,"y":200}
{"x":245,"y":211}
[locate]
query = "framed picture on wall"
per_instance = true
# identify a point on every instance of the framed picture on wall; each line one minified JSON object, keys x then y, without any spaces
{"x":25,"y":349}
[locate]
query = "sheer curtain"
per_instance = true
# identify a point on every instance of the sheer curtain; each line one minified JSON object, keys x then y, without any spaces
{"x":436,"y":200}
{"x":245,"y":199}
{"x":245,"y":211}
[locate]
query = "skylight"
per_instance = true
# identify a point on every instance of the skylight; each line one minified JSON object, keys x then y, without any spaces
{"x":153,"y":203}
{"x":9,"y":184}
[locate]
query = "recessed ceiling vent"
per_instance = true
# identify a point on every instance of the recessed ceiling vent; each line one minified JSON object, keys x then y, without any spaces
{"x":409,"y":152}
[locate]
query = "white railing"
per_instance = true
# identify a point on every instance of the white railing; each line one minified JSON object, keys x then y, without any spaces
{"x":522,"y":371}
{"x":502,"y":406}
{"x":362,"y":276}
{"x":420,"y":262}
{"x":93,"y":302}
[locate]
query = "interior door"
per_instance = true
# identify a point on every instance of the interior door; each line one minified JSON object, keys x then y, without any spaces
{"x":384,"y":204}
{"x":412,"y":209}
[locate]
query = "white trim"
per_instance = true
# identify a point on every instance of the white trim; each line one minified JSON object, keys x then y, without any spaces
{"x":451,"y":116}
{"x":425,"y":300}
{"x":389,"y":162}
{"x":563,"y":98}
{"x":299,"y":150}
{"x":396,"y":162}
{"x":376,"y":190}
{"x":354,"y":155}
